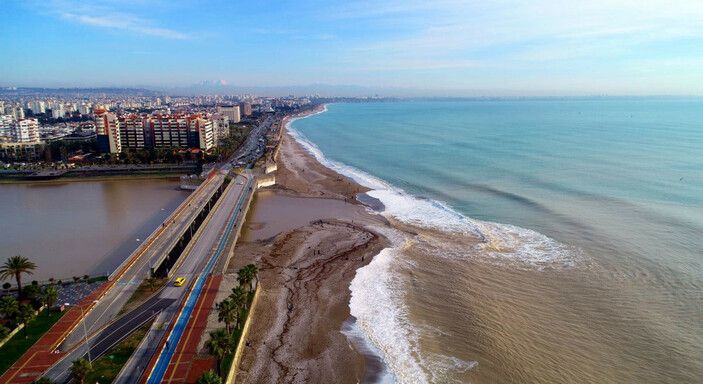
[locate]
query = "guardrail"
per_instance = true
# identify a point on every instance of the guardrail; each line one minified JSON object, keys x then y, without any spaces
{"x":149,"y":240}
{"x":164,"y":357}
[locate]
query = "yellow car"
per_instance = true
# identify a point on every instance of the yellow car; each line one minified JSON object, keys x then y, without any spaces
{"x":179,"y":281}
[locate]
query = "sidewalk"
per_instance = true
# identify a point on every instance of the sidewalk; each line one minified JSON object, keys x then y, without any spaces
{"x":185,"y":367}
{"x":39,"y":357}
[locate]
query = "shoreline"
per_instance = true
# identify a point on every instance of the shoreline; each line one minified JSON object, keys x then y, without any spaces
{"x":322,"y":238}
{"x":75,"y":179}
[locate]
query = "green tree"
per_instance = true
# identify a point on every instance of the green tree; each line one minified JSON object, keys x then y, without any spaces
{"x":33,"y":293}
{"x":24,"y":315}
{"x":247,"y":276}
{"x":50,"y":295}
{"x":4,"y":331}
{"x":209,"y":377}
{"x":219,"y":345}
{"x":239,"y":297}
{"x":15,"y":266}
{"x":9,"y":307}
{"x":228,"y":313}
{"x":80,"y":369}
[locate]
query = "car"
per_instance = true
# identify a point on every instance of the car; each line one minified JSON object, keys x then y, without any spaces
{"x":179,"y":281}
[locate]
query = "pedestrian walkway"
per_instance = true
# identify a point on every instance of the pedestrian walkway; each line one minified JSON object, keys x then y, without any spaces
{"x":185,"y":367}
{"x":40,"y":356}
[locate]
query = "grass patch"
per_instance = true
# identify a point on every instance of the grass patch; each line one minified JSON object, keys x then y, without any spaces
{"x":25,"y":338}
{"x":142,"y":293}
{"x":226,"y":362}
{"x":107,"y":367}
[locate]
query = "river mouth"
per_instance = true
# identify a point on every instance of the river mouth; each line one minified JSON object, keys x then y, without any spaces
{"x":88,"y":227}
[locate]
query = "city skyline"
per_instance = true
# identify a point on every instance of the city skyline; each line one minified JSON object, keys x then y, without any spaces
{"x":393,"y":48}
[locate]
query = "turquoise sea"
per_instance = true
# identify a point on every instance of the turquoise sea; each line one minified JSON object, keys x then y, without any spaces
{"x":554,"y":240}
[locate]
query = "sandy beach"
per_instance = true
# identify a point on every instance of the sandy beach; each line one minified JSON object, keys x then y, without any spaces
{"x":308,"y":237}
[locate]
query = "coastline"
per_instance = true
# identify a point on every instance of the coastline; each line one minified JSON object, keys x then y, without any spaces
{"x":308,"y":234}
{"x":74,"y":179}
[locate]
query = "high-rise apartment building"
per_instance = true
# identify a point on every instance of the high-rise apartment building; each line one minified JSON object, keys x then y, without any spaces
{"x":205,"y":132}
{"x":25,"y":131}
{"x":134,"y":133}
{"x":107,"y":129}
{"x":232,"y":112}
{"x":245,"y":108}
{"x":38,"y":107}
{"x":169,"y":131}
{"x":6,"y":123}
{"x":18,"y":112}
{"x":58,"y":112}
{"x":220,"y":126}
{"x":159,"y":131}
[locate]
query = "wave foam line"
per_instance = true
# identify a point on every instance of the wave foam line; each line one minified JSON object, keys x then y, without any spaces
{"x":499,"y":241}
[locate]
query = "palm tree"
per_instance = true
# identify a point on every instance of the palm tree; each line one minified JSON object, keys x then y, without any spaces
{"x":50,"y":295}
{"x":15,"y":266}
{"x":9,"y":307}
{"x":228,"y":313}
{"x":246,"y":275}
{"x":80,"y":369}
{"x":24,"y":314}
{"x":219,"y":346}
{"x":209,"y":377}
{"x":240,"y":297}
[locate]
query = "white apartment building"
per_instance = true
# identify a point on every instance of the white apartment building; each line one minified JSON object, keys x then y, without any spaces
{"x":25,"y":131}
{"x":6,"y":122}
{"x":107,"y":129}
{"x":18,"y":112}
{"x":221,"y":127}
{"x":58,"y":112}
{"x":232,"y":112}
{"x":38,"y":107}
{"x":84,"y":109}
{"x":206,"y":133}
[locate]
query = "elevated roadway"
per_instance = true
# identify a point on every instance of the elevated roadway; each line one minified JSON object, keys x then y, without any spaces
{"x":166,"y":304}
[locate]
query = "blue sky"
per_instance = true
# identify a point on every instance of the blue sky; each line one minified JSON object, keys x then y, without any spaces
{"x":537,"y":47}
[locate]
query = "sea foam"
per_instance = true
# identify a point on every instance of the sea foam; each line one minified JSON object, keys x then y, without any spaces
{"x":376,"y":300}
{"x":500,"y":242}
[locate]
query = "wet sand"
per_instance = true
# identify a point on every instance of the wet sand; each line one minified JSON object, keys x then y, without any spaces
{"x":308,"y":237}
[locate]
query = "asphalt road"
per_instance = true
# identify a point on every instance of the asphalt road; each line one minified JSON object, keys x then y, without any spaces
{"x":114,"y":333}
{"x":167,"y":301}
{"x":168,"y":297}
{"x":108,"y":306}
{"x":246,"y":154}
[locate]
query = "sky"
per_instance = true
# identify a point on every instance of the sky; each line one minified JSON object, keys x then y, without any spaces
{"x":391,"y":47}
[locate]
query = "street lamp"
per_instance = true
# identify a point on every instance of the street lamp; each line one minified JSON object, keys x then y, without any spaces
{"x":85,"y":333}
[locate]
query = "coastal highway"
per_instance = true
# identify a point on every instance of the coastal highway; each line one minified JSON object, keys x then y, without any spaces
{"x":247,"y":153}
{"x":167,"y":301}
{"x":138,"y":265}
{"x":144,"y":258}
{"x":99,"y":327}
{"x":208,"y":249}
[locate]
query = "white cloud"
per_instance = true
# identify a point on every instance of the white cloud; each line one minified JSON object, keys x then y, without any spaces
{"x":541,"y":30}
{"x":101,"y":15}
